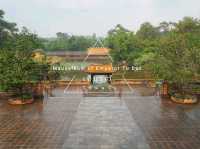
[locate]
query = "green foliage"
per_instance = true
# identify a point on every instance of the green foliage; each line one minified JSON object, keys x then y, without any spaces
{"x":69,"y":43}
{"x":170,"y":50}
{"x":147,"y":31}
{"x":178,"y":57}
{"x":7,"y":29}
{"x":124,"y":45}
{"x":17,"y":68}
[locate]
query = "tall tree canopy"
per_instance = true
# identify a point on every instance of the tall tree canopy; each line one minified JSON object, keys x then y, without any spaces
{"x":147,"y":31}
{"x":124,"y":44}
{"x":6,"y":29}
{"x":178,"y":57}
{"x":68,"y":42}
{"x":16,"y":64}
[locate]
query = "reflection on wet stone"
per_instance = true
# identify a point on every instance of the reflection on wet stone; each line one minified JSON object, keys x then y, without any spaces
{"x":106,"y":123}
{"x":67,"y":120}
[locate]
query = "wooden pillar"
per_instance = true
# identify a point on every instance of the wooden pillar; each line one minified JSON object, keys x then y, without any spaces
{"x":109,"y":78}
{"x":165,"y":89}
{"x":92,"y":79}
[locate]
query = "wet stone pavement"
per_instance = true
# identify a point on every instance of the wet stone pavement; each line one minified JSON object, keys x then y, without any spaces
{"x":138,"y":120}
{"x":104,"y":123}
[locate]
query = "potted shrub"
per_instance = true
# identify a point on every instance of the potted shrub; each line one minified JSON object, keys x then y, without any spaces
{"x":21,"y":98}
{"x":23,"y":80}
{"x":19,"y":71}
{"x":177,"y":59}
{"x":184,"y":99}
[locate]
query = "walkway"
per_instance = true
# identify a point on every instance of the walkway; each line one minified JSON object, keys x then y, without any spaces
{"x":69,"y":121}
{"x":104,"y":123}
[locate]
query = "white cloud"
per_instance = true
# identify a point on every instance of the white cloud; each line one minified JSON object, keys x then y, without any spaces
{"x":87,"y":16}
{"x":71,"y":4}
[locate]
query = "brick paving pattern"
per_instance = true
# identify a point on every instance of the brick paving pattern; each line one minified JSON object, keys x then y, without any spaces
{"x":42,"y":125}
{"x":138,"y":120}
{"x":166,"y":125}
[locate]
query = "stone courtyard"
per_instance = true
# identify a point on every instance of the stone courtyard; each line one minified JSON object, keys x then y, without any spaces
{"x":137,"y":120}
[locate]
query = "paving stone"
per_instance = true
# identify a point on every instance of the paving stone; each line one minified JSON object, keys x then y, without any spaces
{"x":138,"y":120}
{"x":105,"y":121}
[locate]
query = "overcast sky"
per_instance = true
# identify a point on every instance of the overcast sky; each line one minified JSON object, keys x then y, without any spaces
{"x":84,"y":17}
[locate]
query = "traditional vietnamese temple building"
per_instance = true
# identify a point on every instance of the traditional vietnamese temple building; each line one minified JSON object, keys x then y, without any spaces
{"x":95,"y":54}
{"x":99,"y":55}
{"x":99,"y":73}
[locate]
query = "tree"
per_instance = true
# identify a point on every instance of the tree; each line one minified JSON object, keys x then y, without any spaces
{"x":6,"y":29}
{"x":177,"y":59}
{"x":187,"y":25}
{"x":147,"y":32}
{"x":62,"y":35}
{"x":17,"y":66}
{"x":69,"y":42}
{"x":124,"y":45}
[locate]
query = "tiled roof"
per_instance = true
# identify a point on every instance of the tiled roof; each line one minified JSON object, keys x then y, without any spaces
{"x":66,"y":53}
{"x":98,"y":51}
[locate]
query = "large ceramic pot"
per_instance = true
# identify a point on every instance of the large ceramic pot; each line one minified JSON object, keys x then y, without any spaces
{"x":184,"y":100}
{"x":18,"y":101}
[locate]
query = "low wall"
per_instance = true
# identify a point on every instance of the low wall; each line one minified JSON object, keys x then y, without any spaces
{"x":147,"y":82}
{"x":39,"y":88}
